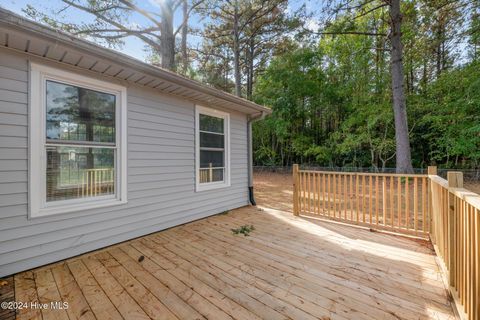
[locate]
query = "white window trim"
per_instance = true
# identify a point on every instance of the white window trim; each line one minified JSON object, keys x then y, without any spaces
{"x":226,"y":178}
{"x":38,"y":206}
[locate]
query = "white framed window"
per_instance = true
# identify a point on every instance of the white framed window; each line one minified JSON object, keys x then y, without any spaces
{"x":212,"y":148}
{"x":78,"y":153}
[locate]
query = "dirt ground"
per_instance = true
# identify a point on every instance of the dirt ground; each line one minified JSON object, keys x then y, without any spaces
{"x":274,"y":190}
{"x":473,"y":186}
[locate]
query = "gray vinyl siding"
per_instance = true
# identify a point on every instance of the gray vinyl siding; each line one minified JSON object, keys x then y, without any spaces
{"x":161,"y":177}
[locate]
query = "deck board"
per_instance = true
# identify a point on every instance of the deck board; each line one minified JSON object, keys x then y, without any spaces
{"x":287,"y":268}
{"x":7,"y":295}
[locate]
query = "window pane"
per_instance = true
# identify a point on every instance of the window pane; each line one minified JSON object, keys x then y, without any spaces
{"x":78,"y":172}
{"x":212,"y":140}
{"x":211,"y":159}
{"x":212,"y":124}
{"x":211,"y":175}
{"x":79,"y":114}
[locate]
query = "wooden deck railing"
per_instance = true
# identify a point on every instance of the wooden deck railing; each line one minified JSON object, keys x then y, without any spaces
{"x":207,"y":174}
{"x":422,"y":205}
{"x":456,"y":236}
{"x":97,"y":182}
{"x":395,"y":202}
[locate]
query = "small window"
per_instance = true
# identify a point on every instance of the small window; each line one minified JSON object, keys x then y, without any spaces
{"x":78,"y":157}
{"x":212,"y":131}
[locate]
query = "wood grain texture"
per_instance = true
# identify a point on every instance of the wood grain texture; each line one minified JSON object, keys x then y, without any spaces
{"x":402,"y":202}
{"x":289,"y":267}
{"x":455,"y":233}
{"x":7,"y":294}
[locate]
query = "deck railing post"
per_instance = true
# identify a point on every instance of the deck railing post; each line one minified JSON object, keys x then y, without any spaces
{"x":295,"y":190}
{"x":455,"y":180}
{"x":384,"y":199}
{"x":432,"y":171}
{"x":210,"y":173}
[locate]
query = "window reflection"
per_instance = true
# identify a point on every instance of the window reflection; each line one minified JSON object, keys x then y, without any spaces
{"x":78,"y":172}
{"x":212,"y":149}
{"x":79,"y":114}
{"x":86,"y":117}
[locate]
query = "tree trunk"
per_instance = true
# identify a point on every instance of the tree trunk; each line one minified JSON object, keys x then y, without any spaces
{"x":167,"y":49}
{"x":424,"y":76}
{"x":236,"y":51}
{"x":86,"y":113}
{"x":226,"y":69}
{"x":412,"y":75}
{"x":403,"y":155}
{"x":439,"y":49}
{"x":439,"y":63}
{"x":251,"y":52}
{"x":184,"y":38}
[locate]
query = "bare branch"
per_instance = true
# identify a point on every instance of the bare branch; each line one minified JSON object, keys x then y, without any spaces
{"x":340,"y":8}
{"x":360,"y":33}
{"x":120,"y":33}
{"x":185,"y":19}
{"x":141,"y":11}
{"x":112,"y":22}
{"x":370,"y":10}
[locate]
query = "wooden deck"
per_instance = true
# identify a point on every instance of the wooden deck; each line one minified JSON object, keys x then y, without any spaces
{"x":288,"y":268}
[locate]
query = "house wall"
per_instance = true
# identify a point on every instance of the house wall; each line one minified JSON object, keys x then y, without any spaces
{"x":161,"y":176}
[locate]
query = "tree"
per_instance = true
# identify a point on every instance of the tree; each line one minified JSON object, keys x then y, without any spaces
{"x":335,"y":90}
{"x":184,"y":49}
{"x":294,"y":85}
{"x":368,"y":7}
{"x":249,"y":30}
{"x":474,"y":34}
{"x":402,"y":140}
{"x":111,"y":25}
{"x":167,"y":38}
{"x":450,"y":119}
{"x":345,"y":117}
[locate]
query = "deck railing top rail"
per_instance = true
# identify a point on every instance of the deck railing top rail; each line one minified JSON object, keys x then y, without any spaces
{"x":375,"y":174}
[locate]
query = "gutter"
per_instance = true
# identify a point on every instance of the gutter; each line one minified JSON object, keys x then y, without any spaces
{"x":251,"y":120}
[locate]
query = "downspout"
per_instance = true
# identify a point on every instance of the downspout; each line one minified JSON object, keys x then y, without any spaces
{"x":251,"y":119}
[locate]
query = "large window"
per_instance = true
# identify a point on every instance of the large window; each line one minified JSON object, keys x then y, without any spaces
{"x":212,"y":145}
{"x":78,"y":156}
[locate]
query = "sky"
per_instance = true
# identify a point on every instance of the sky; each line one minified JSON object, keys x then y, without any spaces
{"x":133,"y":46}
{"x":136,"y":48}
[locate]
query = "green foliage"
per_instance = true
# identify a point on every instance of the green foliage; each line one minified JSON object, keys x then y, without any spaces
{"x":332,"y":102}
{"x":293,"y":85}
{"x":330,"y":92}
{"x":451,"y":118}
{"x":245,"y":230}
